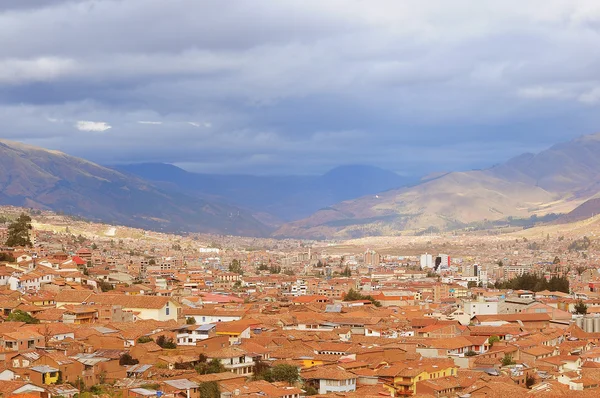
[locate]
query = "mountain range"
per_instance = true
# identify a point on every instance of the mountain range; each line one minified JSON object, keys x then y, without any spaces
{"x":44,"y":179}
{"x":346,"y":202}
{"x":556,"y":180}
{"x":273,"y":199}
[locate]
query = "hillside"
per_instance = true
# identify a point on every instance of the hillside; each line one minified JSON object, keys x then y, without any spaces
{"x":553,"y":181}
{"x":273,"y":199}
{"x":44,"y":179}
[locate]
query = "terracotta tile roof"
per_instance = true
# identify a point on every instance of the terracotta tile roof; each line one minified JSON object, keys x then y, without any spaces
{"x":328,"y":373}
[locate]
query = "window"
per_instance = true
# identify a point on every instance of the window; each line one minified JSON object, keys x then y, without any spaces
{"x":167,"y":310}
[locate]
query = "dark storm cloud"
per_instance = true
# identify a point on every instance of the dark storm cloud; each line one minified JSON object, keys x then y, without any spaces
{"x":299,"y":86}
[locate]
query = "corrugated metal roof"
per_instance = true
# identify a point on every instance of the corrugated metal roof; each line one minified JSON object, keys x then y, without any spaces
{"x":182,"y":384}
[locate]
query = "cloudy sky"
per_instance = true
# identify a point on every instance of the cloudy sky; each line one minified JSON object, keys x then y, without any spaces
{"x":299,"y":86}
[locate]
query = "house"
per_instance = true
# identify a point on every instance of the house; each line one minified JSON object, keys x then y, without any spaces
{"x":191,"y":334}
{"x":20,"y":388}
{"x":535,"y":321}
{"x":69,"y":368}
{"x":42,"y":374}
{"x":143,"y":393}
{"x":144,"y":307}
{"x":21,"y":341}
{"x":234,"y":359}
{"x":207,"y":315}
{"x":235,"y":330}
{"x":330,"y":379}
{"x":402,"y":378}
{"x":456,"y":346}
{"x":181,"y":388}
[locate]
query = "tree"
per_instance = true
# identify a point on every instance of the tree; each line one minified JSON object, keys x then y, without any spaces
{"x":529,"y":381}
{"x":210,"y":367}
{"x":105,"y":286}
{"x":127,"y":359}
{"x":144,"y":339}
{"x":275,"y":269}
{"x":263,"y":267}
{"x":471,"y":284}
{"x":556,"y":260}
{"x":282,"y":372}
{"x":152,"y":262}
{"x":470,"y":353}
{"x":209,"y":389}
{"x":18,"y":232}
{"x":166,"y":343}
{"x":236,"y":267}
{"x":507,"y":360}
{"x":353,"y":295}
{"x":493,"y":339}
{"x":310,"y":390}
{"x":190,"y":320}
{"x":7,"y":257}
{"x":580,"y":270}
{"x":21,"y":316}
{"x":581,"y":307}
{"x":346,"y":272}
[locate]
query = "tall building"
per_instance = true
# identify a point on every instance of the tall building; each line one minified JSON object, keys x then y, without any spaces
{"x":426,"y":261}
{"x":371,"y":257}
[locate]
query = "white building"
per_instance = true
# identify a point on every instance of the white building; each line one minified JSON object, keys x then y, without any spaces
{"x":473,"y":308}
{"x":193,"y":334}
{"x":331,"y":379}
{"x":426,"y":261}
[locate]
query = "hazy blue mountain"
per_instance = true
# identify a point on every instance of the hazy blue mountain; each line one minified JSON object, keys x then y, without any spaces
{"x":556,"y":180}
{"x":286,"y":198}
{"x":35,"y":177}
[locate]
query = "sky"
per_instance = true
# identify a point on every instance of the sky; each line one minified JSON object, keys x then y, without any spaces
{"x":299,"y":86}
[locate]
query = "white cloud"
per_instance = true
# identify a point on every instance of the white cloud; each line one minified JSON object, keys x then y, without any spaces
{"x":194,"y":124}
{"x":207,"y":125}
{"x":84,"y":125}
{"x":39,"y":69}
{"x":148,"y":122}
{"x":541,"y":92}
{"x":590,"y":97}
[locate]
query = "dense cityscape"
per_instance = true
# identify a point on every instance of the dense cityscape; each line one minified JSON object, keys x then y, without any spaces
{"x":108,"y":310}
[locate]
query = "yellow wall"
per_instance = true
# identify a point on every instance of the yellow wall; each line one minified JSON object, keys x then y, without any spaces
{"x":49,"y":379}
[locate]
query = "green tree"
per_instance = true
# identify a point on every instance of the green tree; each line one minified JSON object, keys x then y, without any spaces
{"x":310,"y":390}
{"x":470,"y":353}
{"x":127,"y":359}
{"x":346,"y":272}
{"x":353,"y":295}
{"x":471,"y":284}
{"x":507,"y":360}
{"x":235,"y":266}
{"x":275,"y":269}
{"x":7,"y":257}
{"x":283,"y":372}
{"x":263,"y":267}
{"x":581,"y":307}
{"x":529,"y":381}
{"x":21,"y":316}
{"x":210,"y":367}
{"x":166,"y":343}
{"x":144,"y":339}
{"x":18,"y":232}
{"x":209,"y":389}
{"x":105,"y":286}
{"x":190,"y":320}
{"x":492,"y":340}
